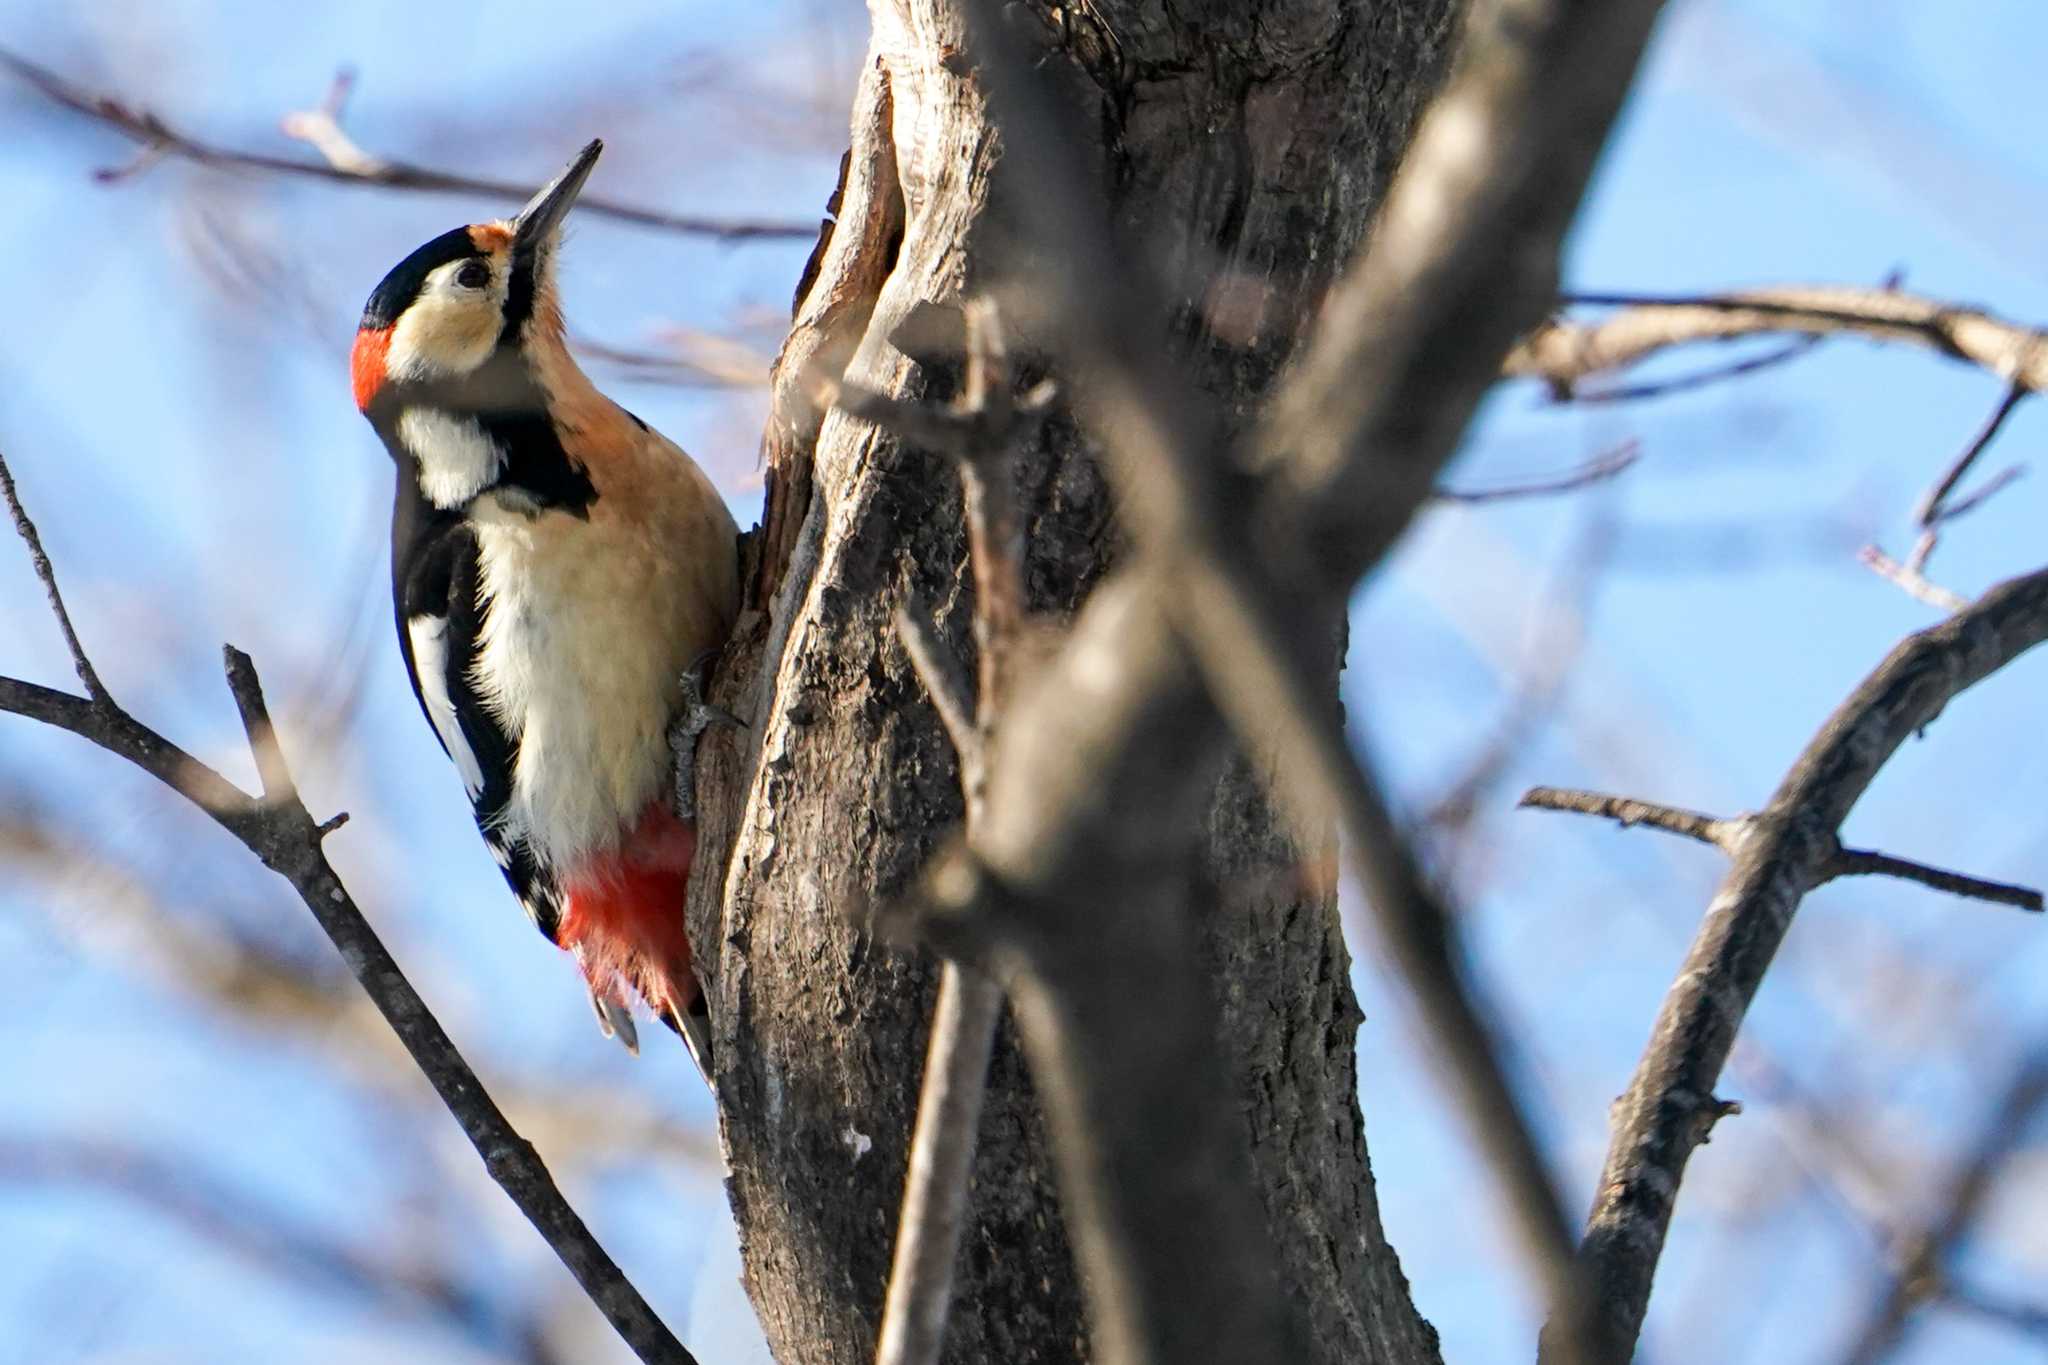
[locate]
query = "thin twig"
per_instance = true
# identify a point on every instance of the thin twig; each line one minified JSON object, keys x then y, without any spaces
{"x":937,"y":1185}
{"x":1860,"y":862}
{"x":1627,"y":811}
{"x":941,"y":675}
{"x":1728,"y":836}
{"x":1599,"y":469}
{"x":1912,"y":580}
{"x":1936,"y":510}
{"x":26,"y":529}
{"x":983,"y":430}
{"x":1933,"y":508}
{"x":280,"y":831}
{"x":1698,"y":379}
{"x":158,"y":137}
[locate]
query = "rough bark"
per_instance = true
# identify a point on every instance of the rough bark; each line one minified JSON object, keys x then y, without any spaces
{"x":1248,"y":147}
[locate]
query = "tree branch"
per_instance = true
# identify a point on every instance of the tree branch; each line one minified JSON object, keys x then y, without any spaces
{"x":1859,"y":862}
{"x":1784,"y":851}
{"x":1627,"y":811}
{"x":1728,"y":836}
{"x":1463,"y":260}
{"x":280,"y":831}
{"x":983,"y":430}
{"x":1599,"y":469}
{"x":158,"y":139}
{"x":1563,"y":352}
{"x":26,"y":529}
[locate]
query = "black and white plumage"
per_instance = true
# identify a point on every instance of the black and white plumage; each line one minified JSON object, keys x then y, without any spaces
{"x":556,"y":567}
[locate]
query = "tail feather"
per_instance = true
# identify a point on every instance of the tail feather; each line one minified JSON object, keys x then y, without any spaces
{"x":694,"y":1027}
{"x":622,"y":920}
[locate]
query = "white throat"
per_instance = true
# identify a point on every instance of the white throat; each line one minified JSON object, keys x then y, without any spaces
{"x":457,"y":458}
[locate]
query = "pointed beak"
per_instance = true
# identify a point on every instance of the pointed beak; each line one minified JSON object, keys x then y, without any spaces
{"x":535,"y":226}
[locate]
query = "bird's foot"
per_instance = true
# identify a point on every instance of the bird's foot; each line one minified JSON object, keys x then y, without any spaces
{"x":693,"y":718}
{"x":614,"y":1019}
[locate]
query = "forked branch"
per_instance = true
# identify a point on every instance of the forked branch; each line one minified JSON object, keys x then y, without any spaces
{"x":1779,"y":854}
{"x":1727,"y":835}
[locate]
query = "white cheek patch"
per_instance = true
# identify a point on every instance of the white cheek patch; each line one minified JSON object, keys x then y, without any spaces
{"x":457,"y":459}
{"x":446,"y":332}
{"x":429,"y":635}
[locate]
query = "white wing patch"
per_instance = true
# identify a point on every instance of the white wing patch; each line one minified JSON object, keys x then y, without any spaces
{"x":430,"y":661}
{"x":457,"y":459}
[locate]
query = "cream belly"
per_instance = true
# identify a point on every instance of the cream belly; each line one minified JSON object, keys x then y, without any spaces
{"x":588,"y":626}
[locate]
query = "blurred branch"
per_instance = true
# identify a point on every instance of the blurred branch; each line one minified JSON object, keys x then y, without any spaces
{"x":2029,"y":1316}
{"x":1599,"y":469}
{"x":1564,"y":352}
{"x":1556,"y":640}
{"x":269,"y":989}
{"x":158,"y":138}
{"x":1779,"y":854}
{"x":279,"y":830}
{"x":1934,"y":510}
{"x":266,"y":1237}
{"x":1698,"y":379}
{"x":1923,"y":1260}
{"x":983,"y":431}
{"x":1910,"y":580}
{"x":1463,"y":260}
{"x":688,"y":357}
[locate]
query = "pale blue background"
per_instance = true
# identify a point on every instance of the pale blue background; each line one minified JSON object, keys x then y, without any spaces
{"x":173,"y":403}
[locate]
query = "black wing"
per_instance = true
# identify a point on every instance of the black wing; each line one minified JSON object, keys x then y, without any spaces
{"x":434,"y":588}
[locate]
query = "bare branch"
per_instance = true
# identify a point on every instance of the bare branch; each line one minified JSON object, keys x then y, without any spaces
{"x":1934,"y":508}
{"x":1563,"y":353}
{"x":1858,"y":862}
{"x":159,"y":138}
{"x":268,"y":1239}
{"x":282,"y":833}
{"x":47,"y":575}
{"x":936,"y":1188}
{"x":1728,"y":836}
{"x":1698,"y":379}
{"x":984,"y":430}
{"x":1911,"y":579}
{"x":1599,"y":469}
{"x":1787,"y":849}
{"x":942,"y":678}
{"x":1627,"y":812}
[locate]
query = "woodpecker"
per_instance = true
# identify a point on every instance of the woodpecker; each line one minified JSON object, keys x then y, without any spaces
{"x":559,"y":570}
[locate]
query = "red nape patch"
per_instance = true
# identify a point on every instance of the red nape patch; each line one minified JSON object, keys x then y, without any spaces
{"x":624,"y":917}
{"x":366,"y":364}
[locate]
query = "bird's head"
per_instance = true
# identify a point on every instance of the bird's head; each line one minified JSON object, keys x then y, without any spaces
{"x":472,"y":295}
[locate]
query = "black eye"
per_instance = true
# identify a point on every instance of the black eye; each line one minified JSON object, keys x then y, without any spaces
{"x":473,"y":275}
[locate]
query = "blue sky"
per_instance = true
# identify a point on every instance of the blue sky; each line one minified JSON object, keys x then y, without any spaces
{"x":174,"y":409}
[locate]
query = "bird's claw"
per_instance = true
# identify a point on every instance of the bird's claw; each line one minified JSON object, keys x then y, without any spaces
{"x":693,"y":718}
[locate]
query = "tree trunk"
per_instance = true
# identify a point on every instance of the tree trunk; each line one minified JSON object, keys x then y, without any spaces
{"x":1247,"y":146}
